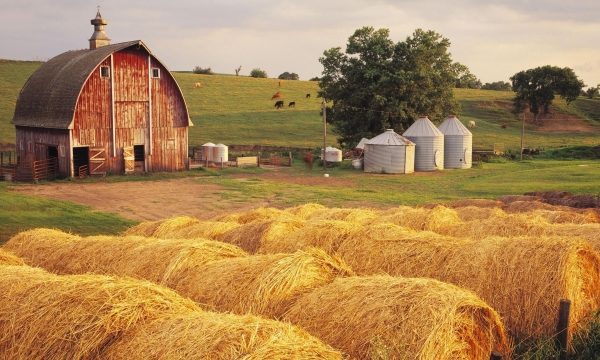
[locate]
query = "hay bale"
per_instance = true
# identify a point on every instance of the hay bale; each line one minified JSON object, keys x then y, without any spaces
{"x":203,"y":229}
{"x":500,"y":224}
{"x":255,"y":235}
{"x":162,"y":228}
{"x":8,"y":258}
{"x":145,"y":228}
{"x":152,"y":259}
{"x":325,"y":234}
{"x":304,"y":212}
{"x":260,"y":284}
{"x":554,"y":214}
{"x":522,"y":278}
{"x":219,"y":336}
{"x":258,"y":214}
{"x":470,"y":213}
{"x":474,"y":202}
{"x":440,"y":217}
{"x":383,"y":317}
{"x":354,"y":215}
{"x":46,"y":316}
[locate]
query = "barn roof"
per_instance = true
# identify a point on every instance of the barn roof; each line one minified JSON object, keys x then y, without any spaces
{"x":48,"y":99}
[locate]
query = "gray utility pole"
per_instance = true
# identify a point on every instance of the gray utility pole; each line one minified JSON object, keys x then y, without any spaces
{"x":324,"y":133}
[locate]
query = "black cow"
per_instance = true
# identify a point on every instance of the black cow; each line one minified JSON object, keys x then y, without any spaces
{"x":278,"y":104}
{"x":292,"y":104}
{"x":308,"y":96}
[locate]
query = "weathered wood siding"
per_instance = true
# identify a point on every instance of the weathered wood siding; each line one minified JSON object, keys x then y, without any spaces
{"x":32,"y":146}
{"x":131,"y":96}
{"x":169,"y":123}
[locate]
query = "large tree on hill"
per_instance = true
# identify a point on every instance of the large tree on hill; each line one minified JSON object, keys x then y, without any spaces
{"x":465,"y":78}
{"x":536,"y":88}
{"x":377,"y":84}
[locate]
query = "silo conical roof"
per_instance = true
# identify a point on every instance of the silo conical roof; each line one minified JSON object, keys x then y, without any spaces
{"x":453,"y":126}
{"x":361,"y":143}
{"x":389,"y":137}
{"x":422,"y":127}
{"x":208,"y":144}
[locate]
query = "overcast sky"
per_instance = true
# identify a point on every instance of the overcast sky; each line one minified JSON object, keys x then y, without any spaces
{"x":495,"y":39}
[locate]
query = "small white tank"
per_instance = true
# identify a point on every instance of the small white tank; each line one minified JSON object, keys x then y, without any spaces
{"x":333,"y":154}
{"x":220,"y":153}
{"x":207,"y":151}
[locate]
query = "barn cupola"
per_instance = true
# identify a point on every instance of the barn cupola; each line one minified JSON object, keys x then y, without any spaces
{"x":99,"y":37}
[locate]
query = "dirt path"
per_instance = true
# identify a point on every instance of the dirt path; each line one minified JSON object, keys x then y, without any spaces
{"x":142,"y":200}
{"x":153,"y":200}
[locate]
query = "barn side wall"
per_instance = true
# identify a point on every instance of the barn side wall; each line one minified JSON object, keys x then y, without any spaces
{"x":169,"y":123}
{"x":32,"y":143}
{"x":147,"y":111}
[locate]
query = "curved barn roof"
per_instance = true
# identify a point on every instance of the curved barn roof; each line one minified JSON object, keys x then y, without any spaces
{"x":49,"y":97}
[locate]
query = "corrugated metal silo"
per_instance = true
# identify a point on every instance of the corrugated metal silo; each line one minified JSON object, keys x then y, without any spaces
{"x":429,"y":145}
{"x":389,"y":153}
{"x":207,"y":151}
{"x":458,"y":144}
{"x":220,"y":153}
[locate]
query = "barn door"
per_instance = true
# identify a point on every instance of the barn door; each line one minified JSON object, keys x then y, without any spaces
{"x":129,"y":159}
{"x":98,"y":161}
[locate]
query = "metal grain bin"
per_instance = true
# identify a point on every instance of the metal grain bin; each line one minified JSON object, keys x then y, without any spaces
{"x":458,"y":144}
{"x":220,"y":153}
{"x":389,"y":153}
{"x":207,"y":151}
{"x":429,"y":145}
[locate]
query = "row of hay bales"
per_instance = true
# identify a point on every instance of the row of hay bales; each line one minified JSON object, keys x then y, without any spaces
{"x":520,"y":258}
{"x":365,"y":317}
{"x":48,"y":316}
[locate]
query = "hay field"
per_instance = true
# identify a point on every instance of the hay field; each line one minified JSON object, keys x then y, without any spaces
{"x":488,"y":273}
{"x":47,"y":316}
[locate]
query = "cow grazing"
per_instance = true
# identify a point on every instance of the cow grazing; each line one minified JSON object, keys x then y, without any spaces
{"x":198,"y":85}
{"x":292,"y":104}
{"x":277,"y":95}
{"x":279,"y":104}
{"x":308,"y":96}
{"x":471,"y":124}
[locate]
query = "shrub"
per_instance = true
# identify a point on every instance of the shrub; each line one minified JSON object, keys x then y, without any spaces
{"x":258,"y":73}
{"x":200,"y":70}
{"x":288,"y":76}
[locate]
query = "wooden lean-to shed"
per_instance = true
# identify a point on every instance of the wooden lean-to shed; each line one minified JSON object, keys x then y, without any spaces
{"x":107,"y":109}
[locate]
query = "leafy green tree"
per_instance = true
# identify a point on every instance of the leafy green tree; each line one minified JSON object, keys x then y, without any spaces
{"x":535,"y":88}
{"x":497,"y":85}
{"x":258,"y":73}
{"x":464,"y":77}
{"x":377,"y":84}
{"x":288,"y":76}
{"x":592,"y":92}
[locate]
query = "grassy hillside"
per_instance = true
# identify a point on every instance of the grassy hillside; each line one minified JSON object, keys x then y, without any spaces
{"x":13,"y":74}
{"x":239,"y":110}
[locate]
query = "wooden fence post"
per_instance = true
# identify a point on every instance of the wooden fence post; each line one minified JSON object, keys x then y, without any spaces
{"x":258,"y":160}
{"x":562,"y":329}
{"x":495,"y":356}
{"x":221,"y":163}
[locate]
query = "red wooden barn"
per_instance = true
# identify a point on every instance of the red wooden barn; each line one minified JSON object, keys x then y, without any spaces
{"x":107,"y":109}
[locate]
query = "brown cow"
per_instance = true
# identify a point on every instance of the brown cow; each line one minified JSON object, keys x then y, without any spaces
{"x":292,"y":104}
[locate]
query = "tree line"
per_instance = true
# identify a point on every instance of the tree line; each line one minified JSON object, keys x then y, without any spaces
{"x":376,"y":83}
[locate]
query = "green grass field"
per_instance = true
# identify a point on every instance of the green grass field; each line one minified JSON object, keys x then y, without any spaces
{"x":239,"y":110}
